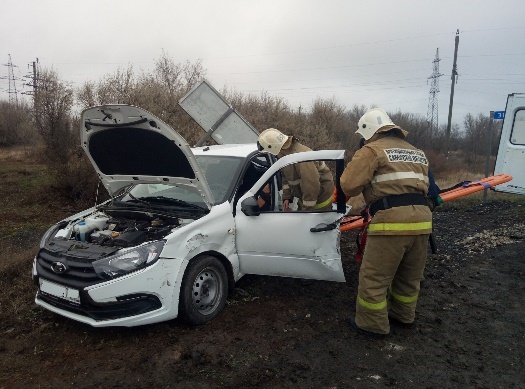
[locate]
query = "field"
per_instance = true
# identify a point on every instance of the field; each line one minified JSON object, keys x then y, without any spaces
{"x":274,"y":331}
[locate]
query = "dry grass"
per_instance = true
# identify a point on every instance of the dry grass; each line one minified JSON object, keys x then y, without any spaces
{"x":13,"y":257}
{"x":454,"y":177}
{"x":15,"y":280}
{"x":27,"y":154}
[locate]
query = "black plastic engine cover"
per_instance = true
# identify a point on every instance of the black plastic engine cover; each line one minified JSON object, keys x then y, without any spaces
{"x":130,"y":238}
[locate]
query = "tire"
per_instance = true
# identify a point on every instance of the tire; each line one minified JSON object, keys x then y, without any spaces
{"x":204,"y":290}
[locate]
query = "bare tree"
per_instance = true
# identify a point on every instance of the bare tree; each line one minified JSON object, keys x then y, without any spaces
{"x":263,"y":111}
{"x":353,"y":115}
{"x":418,"y":130}
{"x":157,"y":91}
{"x":53,"y":104}
{"x":328,"y":116}
{"x":16,"y":126}
{"x":476,"y":136}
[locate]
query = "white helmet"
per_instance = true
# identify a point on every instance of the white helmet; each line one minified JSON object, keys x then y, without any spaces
{"x":372,"y":121}
{"x":271,"y":141}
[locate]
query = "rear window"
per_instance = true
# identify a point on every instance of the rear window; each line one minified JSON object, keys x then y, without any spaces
{"x":517,"y":135}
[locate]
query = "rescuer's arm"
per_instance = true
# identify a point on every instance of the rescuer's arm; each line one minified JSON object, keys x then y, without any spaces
{"x":433,"y":190}
{"x":287,"y":193}
{"x":264,"y":200}
{"x":359,"y":172}
{"x":310,"y":185}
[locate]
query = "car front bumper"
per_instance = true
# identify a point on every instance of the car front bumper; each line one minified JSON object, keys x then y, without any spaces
{"x":146,"y":296}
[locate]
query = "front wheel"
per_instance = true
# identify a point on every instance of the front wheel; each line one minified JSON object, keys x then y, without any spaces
{"x":204,"y":290}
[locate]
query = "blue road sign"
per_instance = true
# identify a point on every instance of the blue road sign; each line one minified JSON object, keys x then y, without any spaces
{"x":499,"y":115}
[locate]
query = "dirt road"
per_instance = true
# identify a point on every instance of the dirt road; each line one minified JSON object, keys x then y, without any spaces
{"x":277,"y":333}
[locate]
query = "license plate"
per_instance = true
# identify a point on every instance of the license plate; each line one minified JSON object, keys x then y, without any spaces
{"x":59,"y":291}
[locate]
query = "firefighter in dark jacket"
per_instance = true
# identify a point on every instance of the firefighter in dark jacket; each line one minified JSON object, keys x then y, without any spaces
{"x":393,"y":177}
{"x":311,"y":182}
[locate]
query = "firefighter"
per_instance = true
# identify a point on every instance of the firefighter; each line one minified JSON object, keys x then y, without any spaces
{"x":311,"y":182}
{"x":393,"y":177}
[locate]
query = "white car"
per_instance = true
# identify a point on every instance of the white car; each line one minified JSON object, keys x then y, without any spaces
{"x":182,"y":226}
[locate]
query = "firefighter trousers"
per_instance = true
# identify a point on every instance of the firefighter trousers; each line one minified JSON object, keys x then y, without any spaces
{"x":389,"y":280}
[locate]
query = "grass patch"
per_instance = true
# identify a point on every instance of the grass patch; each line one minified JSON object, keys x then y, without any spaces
{"x":20,"y":154}
{"x":29,"y":204}
{"x":15,"y":280}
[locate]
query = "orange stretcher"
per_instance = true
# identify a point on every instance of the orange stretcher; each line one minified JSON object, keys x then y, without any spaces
{"x":353,"y":222}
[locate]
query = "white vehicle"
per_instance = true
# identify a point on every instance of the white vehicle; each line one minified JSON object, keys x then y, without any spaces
{"x":182,"y":226}
{"x":511,"y":152}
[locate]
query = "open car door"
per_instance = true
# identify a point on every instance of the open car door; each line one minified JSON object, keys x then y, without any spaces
{"x":302,"y":244}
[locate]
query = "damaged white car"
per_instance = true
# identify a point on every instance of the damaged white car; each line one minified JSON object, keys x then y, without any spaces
{"x":182,"y":226}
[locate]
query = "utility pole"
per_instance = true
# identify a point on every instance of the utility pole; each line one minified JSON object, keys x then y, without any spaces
{"x":33,"y":83}
{"x":35,"y":77}
{"x":489,"y":149}
{"x":453,"y":78}
{"x":432,"y":112}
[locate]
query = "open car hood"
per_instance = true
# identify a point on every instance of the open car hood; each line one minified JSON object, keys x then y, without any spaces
{"x":128,"y":145}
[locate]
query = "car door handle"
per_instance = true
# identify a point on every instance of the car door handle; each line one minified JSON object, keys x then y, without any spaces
{"x":324,"y":227}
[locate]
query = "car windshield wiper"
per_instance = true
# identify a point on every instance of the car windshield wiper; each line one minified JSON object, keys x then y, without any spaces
{"x":130,"y":203}
{"x":138,"y":200}
{"x":174,"y":201}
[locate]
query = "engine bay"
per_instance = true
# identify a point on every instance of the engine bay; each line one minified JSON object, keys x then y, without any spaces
{"x":119,"y":229}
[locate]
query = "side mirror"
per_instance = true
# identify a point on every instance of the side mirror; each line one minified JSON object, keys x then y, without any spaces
{"x":250,"y":207}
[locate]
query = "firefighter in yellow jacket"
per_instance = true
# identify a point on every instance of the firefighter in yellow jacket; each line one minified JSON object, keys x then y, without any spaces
{"x":393,"y":177}
{"x":311,"y":182}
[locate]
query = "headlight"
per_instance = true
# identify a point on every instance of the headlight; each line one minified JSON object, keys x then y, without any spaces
{"x":34,"y":273}
{"x":47,"y":235}
{"x":127,"y":261}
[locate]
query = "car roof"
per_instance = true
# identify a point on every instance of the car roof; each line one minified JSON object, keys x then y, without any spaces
{"x":230,"y":150}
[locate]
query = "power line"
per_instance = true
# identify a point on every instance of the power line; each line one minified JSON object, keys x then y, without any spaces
{"x":359,"y":44}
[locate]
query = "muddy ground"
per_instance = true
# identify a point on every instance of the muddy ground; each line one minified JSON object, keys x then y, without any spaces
{"x":277,"y":333}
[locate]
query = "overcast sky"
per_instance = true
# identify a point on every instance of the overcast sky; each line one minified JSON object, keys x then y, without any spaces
{"x":360,"y":52}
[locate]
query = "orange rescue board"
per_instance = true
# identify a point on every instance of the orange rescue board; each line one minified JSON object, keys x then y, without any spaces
{"x":353,"y":222}
{"x":475,"y":186}
{"x":350,"y":223}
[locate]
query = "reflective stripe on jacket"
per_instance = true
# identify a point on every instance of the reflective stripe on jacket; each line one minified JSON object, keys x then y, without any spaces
{"x":311,"y":182}
{"x":388,"y":165}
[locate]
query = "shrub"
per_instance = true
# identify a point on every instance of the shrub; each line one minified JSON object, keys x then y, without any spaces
{"x":16,"y":126}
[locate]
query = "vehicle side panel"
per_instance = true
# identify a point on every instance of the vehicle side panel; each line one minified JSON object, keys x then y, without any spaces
{"x":511,"y":152}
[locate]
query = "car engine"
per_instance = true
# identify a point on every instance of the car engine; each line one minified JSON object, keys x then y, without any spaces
{"x":125,"y":230}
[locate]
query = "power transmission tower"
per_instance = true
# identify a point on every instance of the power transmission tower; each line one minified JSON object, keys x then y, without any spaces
{"x":13,"y":93}
{"x":432,"y":112}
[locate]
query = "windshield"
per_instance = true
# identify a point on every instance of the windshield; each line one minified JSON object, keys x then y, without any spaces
{"x":220,"y":173}
{"x":165,"y":195}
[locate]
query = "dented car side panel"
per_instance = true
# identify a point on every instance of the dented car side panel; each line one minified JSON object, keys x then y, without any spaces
{"x":282,"y":243}
{"x":290,"y":250}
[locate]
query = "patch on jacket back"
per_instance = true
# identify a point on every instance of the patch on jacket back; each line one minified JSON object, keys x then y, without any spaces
{"x":404,"y":155}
